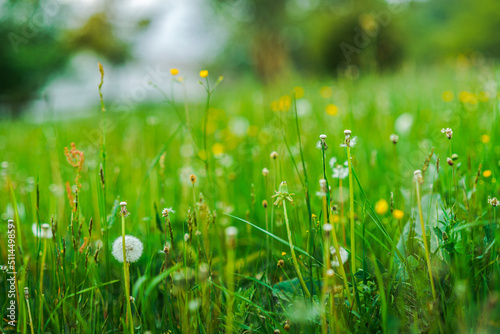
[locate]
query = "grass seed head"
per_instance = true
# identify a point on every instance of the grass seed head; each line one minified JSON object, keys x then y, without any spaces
{"x":274,"y":155}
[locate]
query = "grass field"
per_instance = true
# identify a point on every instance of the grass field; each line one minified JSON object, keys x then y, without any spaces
{"x":240,"y":251}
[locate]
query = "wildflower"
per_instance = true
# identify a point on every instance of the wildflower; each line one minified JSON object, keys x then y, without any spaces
{"x":418,"y":176}
{"x":265,"y":171}
{"x":299,"y":92}
{"x":493,"y":201}
{"x":282,"y":195}
{"x":348,"y":142}
{"x":313,"y":216}
{"x":398,"y":214}
{"x":327,"y":227}
{"x":448,"y":131}
{"x":44,"y":232}
{"x":283,"y":253}
{"x":447,"y":96}
{"x":186,"y":237}
{"x":339,"y":171}
{"x":192,"y":178}
{"x":123,"y":210}
{"x":321,"y":145}
{"x":204,"y":74}
{"x":394,"y":138}
{"x":332,"y":109}
{"x":343,"y":256}
{"x":381,"y":207}
{"x":487,"y":173}
{"x":485,"y":139}
{"x":166,"y":211}
{"x":174,"y":71}
{"x":133,"y":249}
{"x":274,"y":155}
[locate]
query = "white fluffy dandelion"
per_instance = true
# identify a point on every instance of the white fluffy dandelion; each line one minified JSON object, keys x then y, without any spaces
{"x":44,"y":232}
{"x":343,"y":256}
{"x":133,"y":248}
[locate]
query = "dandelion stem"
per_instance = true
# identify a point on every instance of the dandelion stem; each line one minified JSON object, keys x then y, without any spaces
{"x":294,"y":257}
{"x":351,"y":212}
{"x":424,"y":237}
{"x":341,"y":265}
{"x":126,"y":278}
{"x":29,"y":313}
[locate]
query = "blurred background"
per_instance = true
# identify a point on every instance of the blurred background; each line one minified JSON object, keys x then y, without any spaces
{"x":50,"y":48}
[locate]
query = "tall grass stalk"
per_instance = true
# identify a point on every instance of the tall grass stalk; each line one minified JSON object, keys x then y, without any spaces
{"x":418,"y":179}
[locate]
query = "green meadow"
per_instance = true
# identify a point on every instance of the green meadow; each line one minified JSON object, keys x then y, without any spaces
{"x":252,"y":210}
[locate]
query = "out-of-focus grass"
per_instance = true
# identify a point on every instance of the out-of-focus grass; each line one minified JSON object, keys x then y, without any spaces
{"x":151,"y":153}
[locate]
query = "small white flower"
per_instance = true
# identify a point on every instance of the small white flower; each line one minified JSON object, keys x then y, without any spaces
{"x":133,"y":248}
{"x":186,"y":237}
{"x":167,"y":211}
{"x":265,"y":171}
{"x":44,"y":232}
{"x":343,"y":256}
{"x":448,"y":131}
{"x":493,"y":201}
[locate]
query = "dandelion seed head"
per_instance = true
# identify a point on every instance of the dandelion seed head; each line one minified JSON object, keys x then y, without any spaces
{"x":186,"y":237}
{"x":394,"y":138}
{"x":265,"y":171}
{"x":494,"y":202}
{"x":133,"y":249}
{"x":274,"y":155}
{"x":327,"y":227}
{"x":344,"y":255}
{"x":448,"y":132}
{"x":165,"y":212}
{"x":322,"y":137}
{"x":43,"y":232}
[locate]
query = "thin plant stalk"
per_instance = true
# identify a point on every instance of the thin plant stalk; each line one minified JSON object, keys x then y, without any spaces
{"x":41,"y":279}
{"x":351,"y":211}
{"x":294,"y":257}
{"x":126,"y":277}
{"x":341,"y":265}
{"x":424,"y":237}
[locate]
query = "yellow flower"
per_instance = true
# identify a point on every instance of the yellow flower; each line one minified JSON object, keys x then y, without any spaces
{"x":464,"y":96}
{"x":313,"y":216}
{"x":381,"y":207}
{"x":487,"y":173}
{"x":299,"y":92}
{"x":204,"y":73}
{"x":335,"y":218}
{"x":332,"y":109}
{"x":326,"y":92}
{"x":174,"y":71}
{"x":398,"y":214}
{"x":218,"y":149}
{"x":283,"y":254}
{"x":485,"y":139}
{"x":448,"y":96}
